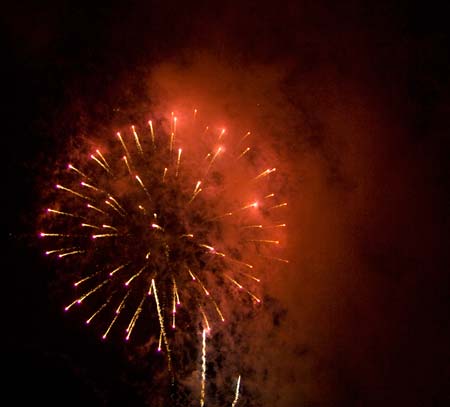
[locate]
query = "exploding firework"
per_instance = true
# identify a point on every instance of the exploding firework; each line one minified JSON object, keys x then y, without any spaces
{"x":158,"y":227}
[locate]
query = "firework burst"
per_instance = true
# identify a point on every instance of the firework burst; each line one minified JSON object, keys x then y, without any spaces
{"x":157,"y":226}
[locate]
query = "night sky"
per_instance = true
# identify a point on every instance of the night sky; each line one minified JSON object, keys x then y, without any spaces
{"x":354,"y":100}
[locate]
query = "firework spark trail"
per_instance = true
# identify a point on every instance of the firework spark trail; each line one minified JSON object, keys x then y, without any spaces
{"x":148,"y":218}
{"x":236,"y":396}
{"x":203,"y":380}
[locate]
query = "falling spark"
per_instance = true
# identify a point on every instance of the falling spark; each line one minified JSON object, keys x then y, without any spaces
{"x":202,"y":391}
{"x":136,"y":139}
{"x":99,"y":163}
{"x":161,"y":325}
{"x":63,"y":213}
{"x":84,"y":184}
{"x":96,"y":209}
{"x":103,"y":159}
{"x":124,"y":158}
{"x":71,"y":253}
{"x":134,"y":319}
{"x":73,"y":192}
{"x":152,"y":133}
{"x":278,"y":206}
{"x":71,"y":167}
{"x":236,"y":395}
{"x":243,"y":153}
{"x":178,"y":162}
{"x":123,"y":144}
{"x":265,"y":173}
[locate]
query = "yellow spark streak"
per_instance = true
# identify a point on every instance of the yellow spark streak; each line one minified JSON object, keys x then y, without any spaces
{"x":143,"y":186}
{"x":134,"y":319}
{"x":269,"y":196}
{"x":178,"y":162}
{"x":70,"y":305}
{"x":103,"y":158}
{"x":278,"y":206}
{"x":42,"y":234}
{"x":280,"y":225}
{"x":160,"y":339}
{"x":195,"y":278}
{"x":239,"y":262}
{"x":265,"y":173}
{"x":248,"y":275}
{"x":202,"y":391}
{"x":210,"y":248}
{"x":149,"y":290}
{"x":124,"y":158}
{"x":110,"y":227}
{"x":243,"y":153}
{"x":155,"y":226}
{"x":82,"y":298}
{"x":176,"y":292}
{"x":71,"y":167}
{"x":174,"y":305}
{"x":205,"y":319}
{"x":195,"y":113}
{"x":114,"y":207}
{"x":252,"y":226}
{"x":123,"y":145}
{"x":110,"y":326}
{"x":245,"y":136}
{"x":233,"y":281}
{"x":172,"y":136}
{"x":161,"y":324}
{"x":187,"y":235}
{"x":104,"y":235}
{"x":236,"y":396}
{"x":194,"y":195}
{"x":243,"y":288}
{"x":197,"y":186}
{"x":122,"y":303}
{"x":59,"y":250}
{"x":152,"y":132}
{"x":87,"y":225}
{"x":191,"y":274}
{"x":218,"y":310}
{"x":73,"y":192}
{"x":275,"y":258}
{"x":135,"y":276}
{"x":118,"y":310}
{"x":96,"y":209}
{"x":100,"y":163}
{"x":263,"y":241}
{"x":117,"y":203}
{"x":71,"y":253}
{"x":222,"y":132}
{"x":117,"y":269}
{"x":85,"y":279}
{"x":174,"y":125}
{"x":164,"y":175}
{"x":136,"y":139}
{"x":213,"y":159}
{"x":84,"y":184}
{"x":63,"y":213}
{"x":88,"y":321}
{"x":252,"y":205}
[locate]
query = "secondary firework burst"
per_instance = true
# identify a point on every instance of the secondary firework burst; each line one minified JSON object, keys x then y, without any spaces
{"x":159,"y":227}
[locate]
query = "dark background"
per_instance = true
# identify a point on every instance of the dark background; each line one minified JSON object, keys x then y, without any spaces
{"x":63,"y":59}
